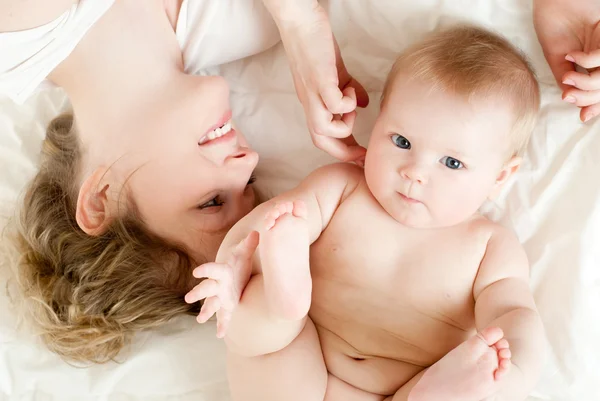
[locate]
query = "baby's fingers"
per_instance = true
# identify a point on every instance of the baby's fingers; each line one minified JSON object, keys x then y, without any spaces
{"x":583,"y":81}
{"x":207,"y":288}
{"x":223,"y":319}
{"x":214,"y":271}
{"x":209,"y":308}
{"x":246,"y":248}
{"x":586,"y":60}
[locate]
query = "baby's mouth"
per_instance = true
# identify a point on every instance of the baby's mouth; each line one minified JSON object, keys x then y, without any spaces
{"x":408,"y":199}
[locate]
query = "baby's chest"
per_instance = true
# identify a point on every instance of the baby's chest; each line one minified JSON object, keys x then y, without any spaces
{"x":392,"y":286}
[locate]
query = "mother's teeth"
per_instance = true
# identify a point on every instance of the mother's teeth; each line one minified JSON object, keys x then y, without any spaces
{"x":217,"y":132}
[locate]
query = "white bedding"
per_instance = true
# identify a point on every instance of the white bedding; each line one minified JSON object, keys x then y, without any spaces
{"x":554,"y":205}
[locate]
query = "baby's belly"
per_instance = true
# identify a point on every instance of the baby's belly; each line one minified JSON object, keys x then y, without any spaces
{"x":374,"y":374}
{"x":377,"y":341}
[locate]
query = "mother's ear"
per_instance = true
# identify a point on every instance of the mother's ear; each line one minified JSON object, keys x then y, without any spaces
{"x":93,"y":204}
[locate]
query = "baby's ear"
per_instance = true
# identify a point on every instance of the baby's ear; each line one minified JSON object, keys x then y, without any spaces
{"x":93,"y":204}
{"x":509,"y":169}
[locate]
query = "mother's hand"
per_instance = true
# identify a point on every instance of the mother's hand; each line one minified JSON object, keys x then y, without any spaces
{"x":569,"y":34}
{"x":326,"y":90}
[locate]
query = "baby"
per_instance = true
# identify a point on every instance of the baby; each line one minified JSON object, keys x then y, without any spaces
{"x":386,"y":283}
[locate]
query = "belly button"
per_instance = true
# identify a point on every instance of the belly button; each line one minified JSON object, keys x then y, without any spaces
{"x":358,"y":359}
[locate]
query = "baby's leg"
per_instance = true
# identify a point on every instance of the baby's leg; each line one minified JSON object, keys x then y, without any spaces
{"x":273,"y":349}
{"x":274,"y":305}
{"x":470,"y":372}
{"x":284,"y":256}
{"x":295,"y":373}
{"x":338,"y":390}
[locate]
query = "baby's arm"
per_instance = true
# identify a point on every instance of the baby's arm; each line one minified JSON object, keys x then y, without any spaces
{"x":257,"y":327}
{"x":503,"y":299}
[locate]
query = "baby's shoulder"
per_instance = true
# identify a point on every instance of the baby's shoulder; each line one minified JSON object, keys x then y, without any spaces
{"x":504,"y":255}
{"x":489,"y":229}
{"x":345,"y":176}
{"x":341,"y":171}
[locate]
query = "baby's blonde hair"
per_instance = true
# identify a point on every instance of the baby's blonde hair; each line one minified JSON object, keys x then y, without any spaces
{"x":87,"y":295}
{"x":479,"y":65}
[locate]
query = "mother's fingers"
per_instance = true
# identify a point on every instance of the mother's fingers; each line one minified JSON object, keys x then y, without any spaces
{"x":322,"y":121}
{"x":585,"y":59}
{"x":581,"y":98}
{"x":337,"y":101}
{"x":346,"y":149}
{"x":583,"y":81}
{"x":362,"y":97}
{"x":589,"y":112}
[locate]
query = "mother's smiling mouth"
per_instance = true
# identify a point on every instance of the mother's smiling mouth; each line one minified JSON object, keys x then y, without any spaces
{"x":221,"y":129}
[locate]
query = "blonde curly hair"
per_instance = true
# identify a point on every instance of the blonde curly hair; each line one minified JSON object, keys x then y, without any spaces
{"x":87,"y":295}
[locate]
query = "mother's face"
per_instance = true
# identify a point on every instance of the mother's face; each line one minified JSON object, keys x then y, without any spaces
{"x":189,"y":169}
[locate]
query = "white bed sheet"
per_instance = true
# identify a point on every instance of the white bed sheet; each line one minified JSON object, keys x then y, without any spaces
{"x":554,"y":206}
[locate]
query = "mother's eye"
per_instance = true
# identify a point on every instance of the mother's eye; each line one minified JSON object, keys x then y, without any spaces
{"x":214,"y":202}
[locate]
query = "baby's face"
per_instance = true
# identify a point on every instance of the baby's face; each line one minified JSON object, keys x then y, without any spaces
{"x":433,"y":158}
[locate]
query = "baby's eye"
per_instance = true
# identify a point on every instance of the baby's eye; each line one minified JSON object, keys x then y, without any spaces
{"x":452,"y":163}
{"x":400,"y":141}
{"x":214,"y":202}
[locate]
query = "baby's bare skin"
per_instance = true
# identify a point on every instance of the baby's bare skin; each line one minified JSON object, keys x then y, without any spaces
{"x":383,"y":319}
{"x":412,"y":293}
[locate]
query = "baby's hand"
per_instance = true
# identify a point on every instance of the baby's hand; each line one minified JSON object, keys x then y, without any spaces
{"x":223,"y":284}
{"x":584,"y":89}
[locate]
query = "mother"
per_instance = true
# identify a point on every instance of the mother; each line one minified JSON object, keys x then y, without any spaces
{"x":151,"y":175}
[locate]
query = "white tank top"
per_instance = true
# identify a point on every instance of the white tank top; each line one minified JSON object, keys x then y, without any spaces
{"x":210,"y":33}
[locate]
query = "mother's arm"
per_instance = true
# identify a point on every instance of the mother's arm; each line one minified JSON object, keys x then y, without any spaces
{"x":324,"y":86}
{"x":17,"y":15}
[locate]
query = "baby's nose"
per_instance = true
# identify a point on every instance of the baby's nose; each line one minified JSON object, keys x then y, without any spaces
{"x":413,"y":173}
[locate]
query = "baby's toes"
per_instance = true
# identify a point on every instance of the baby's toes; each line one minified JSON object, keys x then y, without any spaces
{"x":501,"y":344}
{"x":504,"y":354}
{"x":284,"y":207}
{"x":276,"y":212}
{"x":491,"y":335}
{"x":300,"y":209}
{"x":503,"y":368}
{"x":271,"y":217}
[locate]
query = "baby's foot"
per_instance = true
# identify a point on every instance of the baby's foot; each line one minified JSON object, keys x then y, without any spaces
{"x":284,"y":255}
{"x":470,"y":372}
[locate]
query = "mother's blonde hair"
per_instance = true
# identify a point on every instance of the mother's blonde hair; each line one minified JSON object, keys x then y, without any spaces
{"x":87,"y":295}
